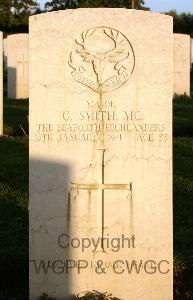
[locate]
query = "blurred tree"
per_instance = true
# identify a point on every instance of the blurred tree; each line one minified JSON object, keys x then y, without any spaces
{"x":113,"y":3}
{"x":183,"y":23}
{"x":14,"y":14}
{"x":63,"y":4}
{"x":60,"y":4}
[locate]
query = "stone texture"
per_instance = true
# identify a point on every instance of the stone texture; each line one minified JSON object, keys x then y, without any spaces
{"x":1,"y":83}
{"x":181,"y":64}
{"x":18,"y":65}
{"x":101,"y":87}
{"x":191,"y":51}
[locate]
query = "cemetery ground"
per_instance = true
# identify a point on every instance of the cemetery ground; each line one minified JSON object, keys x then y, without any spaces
{"x":14,"y":200}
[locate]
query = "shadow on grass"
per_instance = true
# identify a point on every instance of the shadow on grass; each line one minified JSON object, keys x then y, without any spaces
{"x":183,"y":116}
{"x":14,"y":218}
{"x":16,"y":117}
{"x":183,"y":221}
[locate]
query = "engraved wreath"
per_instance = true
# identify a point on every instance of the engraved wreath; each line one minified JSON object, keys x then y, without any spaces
{"x":102,"y":59}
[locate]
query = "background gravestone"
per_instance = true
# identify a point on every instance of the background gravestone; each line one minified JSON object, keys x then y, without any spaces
{"x":181,"y":64}
{"x":5,"y":53}
{"x":18,"y":66}
{"x":101,"y":87}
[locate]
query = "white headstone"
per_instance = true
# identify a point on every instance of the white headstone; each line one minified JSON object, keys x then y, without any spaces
{"x":101,"y":87}
{"x":181,"y":64}
{"x":5,"y":52}
{"x":18,"y":65}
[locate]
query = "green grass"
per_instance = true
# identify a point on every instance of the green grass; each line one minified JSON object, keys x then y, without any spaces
{"x":183,"y":200}
{"x":94,"y":295}
{"x":13,"y":217}
{"x":183,"y":197}
{"x":183,"y":117}
{"x":15,"y":114}
{"x":15,"y":117}
{"x":183,"y":216}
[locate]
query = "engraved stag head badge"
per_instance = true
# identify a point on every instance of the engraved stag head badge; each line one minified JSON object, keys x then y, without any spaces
{"x":102,"y":59}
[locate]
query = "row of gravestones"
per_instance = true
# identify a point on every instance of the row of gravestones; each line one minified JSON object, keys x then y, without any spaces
{"x":101,"y":90}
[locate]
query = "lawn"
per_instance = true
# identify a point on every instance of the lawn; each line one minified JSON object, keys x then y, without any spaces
{"x":14,"y":168}
{"x":14,"y":200}
{"x":183,"y":198}
{"x":14,"y":217}
{"x":15,"y":117}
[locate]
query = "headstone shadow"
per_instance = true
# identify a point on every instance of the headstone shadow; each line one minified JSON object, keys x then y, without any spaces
{"x":49,"y":222}
{"x":12,"y":79}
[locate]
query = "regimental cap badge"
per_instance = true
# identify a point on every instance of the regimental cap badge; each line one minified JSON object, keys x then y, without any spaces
{"x":102,"y":59}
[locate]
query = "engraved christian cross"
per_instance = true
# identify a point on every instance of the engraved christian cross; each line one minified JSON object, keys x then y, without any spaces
{"x":22,"y":62}
{"x":101,"y":187}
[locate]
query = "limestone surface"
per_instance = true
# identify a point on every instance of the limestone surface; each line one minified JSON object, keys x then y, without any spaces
{"x":101,"y":87}
{"x":181,"y":64}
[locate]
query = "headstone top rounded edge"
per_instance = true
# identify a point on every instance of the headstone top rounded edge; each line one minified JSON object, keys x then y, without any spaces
{"x":18,"y":35}
{"x":129,"y":12}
